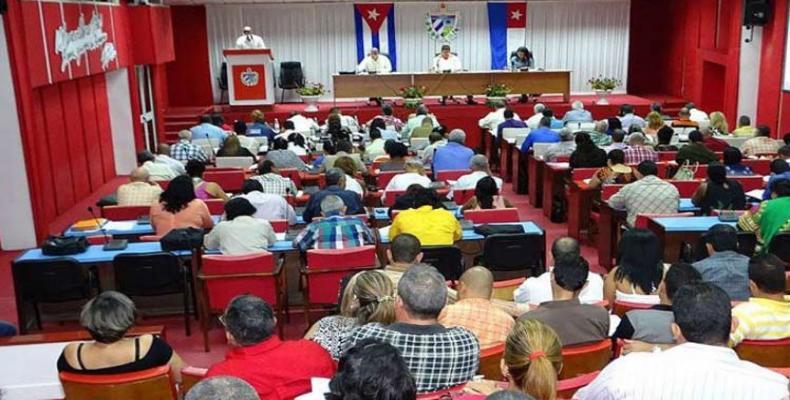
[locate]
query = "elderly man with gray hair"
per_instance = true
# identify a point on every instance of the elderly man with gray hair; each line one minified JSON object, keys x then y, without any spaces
{"x":534,"y":121}
{"x":478,"y":164}
{"x":140,"y":191}
{"x":577,"y":113}
{"x":222,"y":388}
{"x":334,"y":230}
{"x":638,"y":150}
{"x":335,"y":186}
{"x":453,"y":156}
{"x":275,"y":368}
{"x":438,"y":357}
{"x":565,"y":147}
{"x":599,"y":135}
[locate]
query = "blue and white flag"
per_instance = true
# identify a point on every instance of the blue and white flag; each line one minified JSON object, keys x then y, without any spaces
{"x":507,"y":26}
{"x":375,"y":27}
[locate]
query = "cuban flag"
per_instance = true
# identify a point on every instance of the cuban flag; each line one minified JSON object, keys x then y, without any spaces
{"x":507,"y":25}
{"x":375,"y":27}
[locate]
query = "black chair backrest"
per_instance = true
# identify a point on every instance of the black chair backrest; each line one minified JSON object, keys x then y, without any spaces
{"x":52,"y":281}
{"x":447,"y":259}
{"x":509,"y":256}
{"x":780,"y":246}
{"x":291,"y":75}
{"x":148,"y":274}
{"x":223,"y":76}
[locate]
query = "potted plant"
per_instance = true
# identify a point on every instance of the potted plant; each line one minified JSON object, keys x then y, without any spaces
{"x":603,"y":87}
{"x":497,"y":93}
{"x":310,"y":94}
{"x":412,"y":95}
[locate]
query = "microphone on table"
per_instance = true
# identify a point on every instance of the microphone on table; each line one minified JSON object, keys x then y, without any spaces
{"x":110,"y":244}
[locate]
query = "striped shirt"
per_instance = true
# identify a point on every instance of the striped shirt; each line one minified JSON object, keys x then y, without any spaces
{"x":761,"y":319}
{"x":689,"y":371}
{"x":334,"y":232}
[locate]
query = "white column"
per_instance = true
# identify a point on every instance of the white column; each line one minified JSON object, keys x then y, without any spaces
{"x":17,"y":230}
{"x":749,"y":73}
{"x":121,"y":121}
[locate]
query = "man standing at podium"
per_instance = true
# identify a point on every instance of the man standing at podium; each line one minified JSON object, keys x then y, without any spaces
{"x":248,"y":40}
{"x":375,"y":63}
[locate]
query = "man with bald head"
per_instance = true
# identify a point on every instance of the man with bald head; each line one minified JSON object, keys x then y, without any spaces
{"x":475,"y":311}
{"x":163,"y":157}
{"x":140,"y":191}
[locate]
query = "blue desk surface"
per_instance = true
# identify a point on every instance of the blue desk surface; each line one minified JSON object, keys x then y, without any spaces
{"x":687,"y":206}
{"x":689,"y":224}
{"x":143,"y":229}
{"x":469,"y":234}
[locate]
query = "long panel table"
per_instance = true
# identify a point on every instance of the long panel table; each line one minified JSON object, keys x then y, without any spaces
{"x":449,"y":84}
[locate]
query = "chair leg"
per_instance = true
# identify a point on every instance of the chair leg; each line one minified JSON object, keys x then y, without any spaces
{"x":307,"y":313}
{"x":187,"y":317}
{"x":205,"y":326}
{"x":37,"y":316}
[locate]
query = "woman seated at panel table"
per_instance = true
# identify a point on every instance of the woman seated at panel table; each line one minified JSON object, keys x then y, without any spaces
{"x":203,"y":190}
{"x":615,"y":171}
{"x":718,"y":192}
{"x":241,"y":232}
{"x":639,"y":269}
{"x":108,"y":317}
{"x":486,"y":197}
{"x":178,"y":207}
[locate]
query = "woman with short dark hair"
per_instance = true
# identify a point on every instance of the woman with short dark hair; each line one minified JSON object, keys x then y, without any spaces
{"x":397,"y":153}
{"x":372,"y":369}
{"x":240,"y":233}
{"x":732,"y":162}
{"x":178,"y":207}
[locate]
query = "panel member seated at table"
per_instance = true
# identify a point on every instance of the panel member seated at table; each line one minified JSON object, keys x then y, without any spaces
{"x":478,"y":165}
{"x":335,"y":181}
{"x":334,"y":230}
{"x":718,"y":192}
{"x":446,"y":62}
{"x":486,"y":197}
{"x":587,"y":153}
{"x":615,"y":171}
{"x":454,"y":155}
{"x":204,"y":190}
{"x":771,"y":218}
{"x":267,"y":206}
{"x":241,"y":232}
{"x":374,"y":63}
{"x":432,"y":226}
{"x":648,"y":195}
{"x":639,"y":269}
{"x":414,"y":173}
{"x":178,"y":207}
{"x":107,"y":317}
{"x":543,"y":134}
{"x":140,"y":191}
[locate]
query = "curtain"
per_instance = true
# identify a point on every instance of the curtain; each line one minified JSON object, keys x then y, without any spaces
{"x":590,"y":37}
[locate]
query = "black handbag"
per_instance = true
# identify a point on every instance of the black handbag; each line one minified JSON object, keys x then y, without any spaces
{"x":64,"y":246}
{"x":182,"y":239}
{"x":490,"y":229}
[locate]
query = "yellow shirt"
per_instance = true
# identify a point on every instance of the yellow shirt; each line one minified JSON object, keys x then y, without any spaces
{"x":761,"y":319}
{"x":433,"y":227}
{"x":744,"y":131}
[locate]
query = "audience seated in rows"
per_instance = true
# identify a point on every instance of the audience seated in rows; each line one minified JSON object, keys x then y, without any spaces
{"x":639,"y":269}
{"x":415,"y":120}
{"x":772,"y":218}
{"x":267,"y":206}
{"x":204,"y":190}
{"x":428,"y":221}
{"x":494,"y":118}
{"x":534,"y":121}
{"x":745,"y":128}
{"x":397,"y":154}
{"x":587,"y":153}
{"x":372,"y":369}
{"x":711,"y":142}
{"x":156,"y":171}
{"x":629,"y":119}
{"x":766,"y":315}
{"x":422,"y":131}
{"x":511,"y":120}
{"x":297,"y":143}
{"x":684,"y":119}
{"x":185,"y":150}
{"x":272,"y":182}
{"x":638,"y":150}
{"x":241,"y":232}
{"x":732,"y":162}
{"x":335,"y":182}
{"x":334,"y":230}
{"x":564,"y":148}
{"x":178,"y":207}
{"x":648,"y":195}
{"x":375,"y":148}
{"x":700,"y":363}
{"x":259,"y":128}
{"x":577,"y":113}
{"x":452,"y":353}
{"x":573,"y":321}
{"x":724,"y":266}
{"x":486,"y":197}
{"x":543,"y":134}
{"x":222,"y":388}
{"x":653,"y":123}
{"x":349,"y":167}
{"x":718,"y":192}
{"x":537,"y":290}
{"x":342,"y":147}
{"x":140,"y":191}
{"x":618,"y":141}
{"x":780,"y":170}
{"x":107,"y":317}
{"x":454,"y":155}
{"x":303,"y":124}
{"x":615,"y":171}
{"x":276,"y":368}
{"x":346,"y":121}
{"x":232,"y":147}
{"x":206,"y":130}
{"x":388,"y":118}
{"x":599,"y":135}
{"x":654,"y":325}
{"x":163,"y":152}
{"x":761,"y":143}
{"x":474,"y":310}
{"x":479,"y":169}
{"x":369,"y":297}
{"x":665,"y":135}
{"x":414,"y":174}
{"x":282,"y":157}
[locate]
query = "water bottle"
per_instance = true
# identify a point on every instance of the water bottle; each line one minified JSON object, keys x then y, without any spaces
{"x":276,"y":124}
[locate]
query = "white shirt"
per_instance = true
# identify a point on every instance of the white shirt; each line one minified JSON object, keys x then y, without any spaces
{"x":538,"y":290}
{"x":534,"y":121}
{"x":271,"y":206}
{"x":689,"y":371}
{"x":175,"y":165}
{"x":250,"y":41}
{"x":243,"y":235}
{"x":698,"y":115}
{"x":159,"y":171}
{"x":298,"y":150}
{"x":303,"y":124}
{"x":381,"y":65}
{"x":494,"y":118}
{"x":441,"y":64}
{"x":406,"y":179}
{"x":469,"y":181}
{"x":354,"y":186}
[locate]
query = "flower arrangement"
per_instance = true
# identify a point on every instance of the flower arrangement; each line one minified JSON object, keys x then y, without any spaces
{"x":604,"y":83}
{"x":311,"y":89}
{"x":413,"y":92}
{"x":497,"y":90}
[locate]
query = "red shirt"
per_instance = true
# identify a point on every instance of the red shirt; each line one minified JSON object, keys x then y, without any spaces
{"x":714,"y":144}
{"x":277,"y":369}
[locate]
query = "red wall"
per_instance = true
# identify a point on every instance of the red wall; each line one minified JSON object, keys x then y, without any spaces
{"x":189,"y":78}
{"x":774,"y":105}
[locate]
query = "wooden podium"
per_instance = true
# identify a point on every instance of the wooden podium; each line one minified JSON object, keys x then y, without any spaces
{"x":250,"y":77}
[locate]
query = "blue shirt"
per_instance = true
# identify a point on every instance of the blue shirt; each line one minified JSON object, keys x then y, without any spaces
{"x":509,"y":123}
{"x":259,"y":129}
{"x":769,"y":188}
{"x":452,"y":156}
{"x":727,"y":270}
{"x":207,"y":131}
{"x":577,"y":116}
{"x":540,"y":135}
{"x":350,"y":199}
{"x":556,"y":123}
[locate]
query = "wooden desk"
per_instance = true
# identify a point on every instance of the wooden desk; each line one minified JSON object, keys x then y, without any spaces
{"x":554,"y":175}
{"x":506,"y":150}
{"x":608,"y":234}
{"x":519,"y":171}
{"x":580,"y":197}
{"x":449,"y":84}
{"x":534,"y":180}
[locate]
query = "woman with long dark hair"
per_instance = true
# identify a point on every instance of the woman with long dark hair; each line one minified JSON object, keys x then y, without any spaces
{"x":719,"y":192}
{"x":486,"y":196}
{"x":178,"y":207}
{"x":587,"y":154}
{"x":639,"y":269}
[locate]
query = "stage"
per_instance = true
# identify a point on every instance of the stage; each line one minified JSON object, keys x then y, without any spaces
{"x":452,"y":115}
